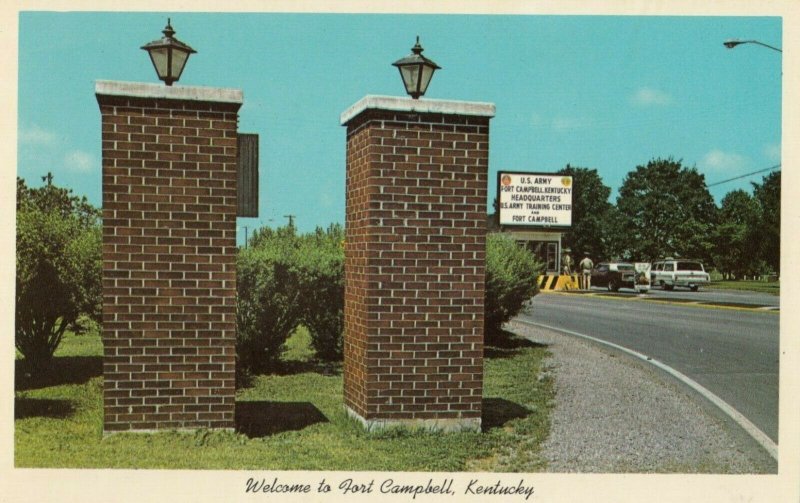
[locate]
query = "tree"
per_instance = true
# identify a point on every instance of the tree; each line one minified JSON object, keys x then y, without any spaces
{"x":590,"y":232}
{"x":737,"y":246}
{"x":667,"y":211}
{"x":768,"y":196}
{"x":59,"y":267}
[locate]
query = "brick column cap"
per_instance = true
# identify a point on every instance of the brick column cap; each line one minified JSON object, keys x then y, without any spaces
{"x":402,"y":104}
{"x":160,"y":91}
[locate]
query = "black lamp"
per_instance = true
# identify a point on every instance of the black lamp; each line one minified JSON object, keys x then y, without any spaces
{"x":416,"y":71}
{"x":169,"y":55}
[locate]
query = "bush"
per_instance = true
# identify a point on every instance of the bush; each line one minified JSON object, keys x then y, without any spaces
{"x":322,"y":290}
{"x":59,"y":268}
{"x":268,"y":301}
{"x":511,"y":273}
{"x":285,"y":280}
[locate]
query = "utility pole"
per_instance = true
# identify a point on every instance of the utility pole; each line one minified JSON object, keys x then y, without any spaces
{"x":291,"y":219}
{"x":245,"y":236}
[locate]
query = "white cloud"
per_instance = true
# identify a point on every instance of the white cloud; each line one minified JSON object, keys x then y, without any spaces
{"x":37,"y":136}
{"x":563,"y":124}
{"x":537,"y":120}
{"x":773,"y":152}
{"x":80,"y":161}
{"x":717,"y":160}
{"x":647,"y":96}
{"x":326,"y":200}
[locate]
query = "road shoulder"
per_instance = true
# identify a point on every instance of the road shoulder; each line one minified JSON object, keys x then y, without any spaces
{"x":614,"y":414}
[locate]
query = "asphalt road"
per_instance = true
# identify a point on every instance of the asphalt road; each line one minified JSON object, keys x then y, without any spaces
{"x":731,"y":352}
{"x":732,"y":297}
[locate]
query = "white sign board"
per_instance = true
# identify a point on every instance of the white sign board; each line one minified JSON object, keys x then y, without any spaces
{"x":534,"y":199}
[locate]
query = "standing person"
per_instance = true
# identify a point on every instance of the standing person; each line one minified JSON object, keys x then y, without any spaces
{"x":586,"y":266}
{"x":566,"y":262}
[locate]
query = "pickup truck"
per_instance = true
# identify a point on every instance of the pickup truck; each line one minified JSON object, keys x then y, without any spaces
{"x":670,"y":273}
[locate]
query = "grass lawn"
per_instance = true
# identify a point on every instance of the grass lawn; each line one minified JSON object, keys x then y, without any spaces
{"x":291,"y":420}
{"x":773,"y":287}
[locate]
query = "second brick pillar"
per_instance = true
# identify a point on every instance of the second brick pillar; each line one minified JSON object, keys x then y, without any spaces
{"x":417,"y":174}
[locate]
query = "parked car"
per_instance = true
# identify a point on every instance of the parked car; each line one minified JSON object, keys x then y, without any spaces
{"x":613,"y":275}
{"x":669,"y":273}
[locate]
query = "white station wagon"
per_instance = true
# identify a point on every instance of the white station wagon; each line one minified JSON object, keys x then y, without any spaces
{"x":670,"y":273}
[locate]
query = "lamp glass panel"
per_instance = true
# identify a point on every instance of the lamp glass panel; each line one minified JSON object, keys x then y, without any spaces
{"x":425,"y":78}
{"x":178,"y":62}
{"x":159,"y":58}
{"x":410,"y":74}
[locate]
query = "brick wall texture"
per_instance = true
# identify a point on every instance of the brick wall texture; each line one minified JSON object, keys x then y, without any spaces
{"x":415,"y":265}
{"x":169,"y":252}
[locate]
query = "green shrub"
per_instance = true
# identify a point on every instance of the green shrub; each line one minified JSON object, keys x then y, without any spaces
{"x":268,"y":301}
{"x":511,"y":273}
{"x":59,"y":264}
{"x":321,"y":264}
{"x":285,"y":280}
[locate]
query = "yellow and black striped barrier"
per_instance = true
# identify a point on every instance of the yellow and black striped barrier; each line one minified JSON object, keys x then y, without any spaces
{"x":557,"y":282}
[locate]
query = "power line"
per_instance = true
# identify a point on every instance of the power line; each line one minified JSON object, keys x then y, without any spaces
{"x":744,"y":176}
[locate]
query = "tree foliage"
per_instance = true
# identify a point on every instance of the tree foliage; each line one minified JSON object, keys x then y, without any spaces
{"x":768,"y":196}
{"x":736,"y":244}
{"x":59,"y":267}
{"x":666,"y":209}
{"x":590,"y":232}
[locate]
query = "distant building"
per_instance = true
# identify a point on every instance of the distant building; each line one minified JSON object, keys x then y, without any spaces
{"x":544,"y":244}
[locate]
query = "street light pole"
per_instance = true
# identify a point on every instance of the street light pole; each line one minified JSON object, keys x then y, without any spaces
{"x":730,"y":44}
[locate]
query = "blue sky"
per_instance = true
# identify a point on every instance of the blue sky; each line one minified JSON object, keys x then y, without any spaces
{"x":604,"y":92}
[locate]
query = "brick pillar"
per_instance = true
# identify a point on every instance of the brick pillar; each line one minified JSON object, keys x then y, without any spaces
{"x":415,"y":261}
{"x":169,"y":255}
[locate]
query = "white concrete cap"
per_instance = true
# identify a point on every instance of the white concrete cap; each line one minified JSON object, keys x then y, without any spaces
{"x":142,"y":90}
{"x":400,"y":104}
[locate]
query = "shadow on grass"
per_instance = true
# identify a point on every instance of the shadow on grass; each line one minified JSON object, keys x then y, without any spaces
{"x":261,"y":419}
{"x":506,"y":345}
{"x":498,"y":411}
{"x":61,"y":370}
{"x":40,"y":407}
{"x":245,"y":378}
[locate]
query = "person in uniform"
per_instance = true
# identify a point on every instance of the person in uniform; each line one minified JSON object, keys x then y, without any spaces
{"x":586,"y":265}
{"x":566,"y":262}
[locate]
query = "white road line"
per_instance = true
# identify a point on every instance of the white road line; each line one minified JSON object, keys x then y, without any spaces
{"x":758,"y":435}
